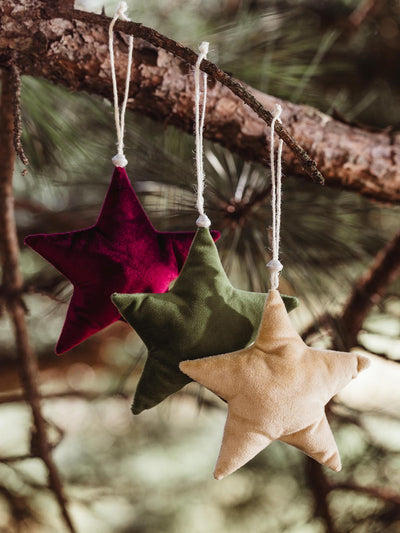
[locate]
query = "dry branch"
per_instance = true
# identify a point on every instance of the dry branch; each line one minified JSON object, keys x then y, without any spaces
{"x":12,"y":279}
{"x":52,"y":43}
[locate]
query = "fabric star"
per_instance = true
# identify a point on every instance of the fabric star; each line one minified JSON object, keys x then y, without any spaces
{"x":202,"y":315}
{"x":276,"y":389}
{"x":121,"y":252}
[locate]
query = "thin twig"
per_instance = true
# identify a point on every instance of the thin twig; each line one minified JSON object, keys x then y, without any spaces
{"x":188,"y":56}
{"x":12,"y":278}
{"x":17,"y":397}
{"x":369,"y":291}
{"x":361,"y":12}
{"x":19,"y":507}
{"x":322,"y":322}
{"x":15,"y":458}
{"x":236,"y":211}
{"x":382,"y":493}
{"x":16,"y":83}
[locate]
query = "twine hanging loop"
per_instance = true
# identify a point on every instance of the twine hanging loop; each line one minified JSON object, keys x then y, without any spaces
{"x":275,"y":266}
{"x":203,"y":221}
{"x":119,"y":159}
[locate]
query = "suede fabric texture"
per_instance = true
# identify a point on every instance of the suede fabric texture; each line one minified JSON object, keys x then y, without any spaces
{"x":202,"y":315}
{"x":276,"y":389}
{"x":121,"y":252}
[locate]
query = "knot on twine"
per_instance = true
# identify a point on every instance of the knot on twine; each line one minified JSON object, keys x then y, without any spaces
{"x":276,"y":113}
{"x":203,"y":221}
{"x":203,"y":48}
{"x":275,"y":265}
{"x":120,"y":160}
{"x":121,"y":10}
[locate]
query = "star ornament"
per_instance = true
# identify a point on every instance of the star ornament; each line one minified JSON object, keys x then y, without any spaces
{"x":121,"y":252}
{"x":202,"y":315}
{"x":276,"y":389}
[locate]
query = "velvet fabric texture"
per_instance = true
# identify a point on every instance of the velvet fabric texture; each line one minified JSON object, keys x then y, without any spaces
{"x":202,"y":315}
{"x":121,"y":252}
{"x":276,"y":389}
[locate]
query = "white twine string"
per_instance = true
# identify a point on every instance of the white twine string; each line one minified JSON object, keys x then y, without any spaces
{"x":120,"y":160}
{"x":275,"y":266}
{"x":203,"y":221}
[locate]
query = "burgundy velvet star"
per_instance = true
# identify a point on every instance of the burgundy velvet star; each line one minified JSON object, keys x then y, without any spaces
{"x":122,"y":253}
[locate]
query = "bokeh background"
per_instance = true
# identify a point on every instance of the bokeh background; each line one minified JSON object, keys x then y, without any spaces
{"x":153,"y":473}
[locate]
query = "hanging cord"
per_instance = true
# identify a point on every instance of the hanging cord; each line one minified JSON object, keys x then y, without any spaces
{"x":275,"y":266}
{"x":120,"y":160}
{"x":203,"y":221}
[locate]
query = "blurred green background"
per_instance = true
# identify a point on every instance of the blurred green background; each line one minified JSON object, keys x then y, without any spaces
{"x":153,"y":473}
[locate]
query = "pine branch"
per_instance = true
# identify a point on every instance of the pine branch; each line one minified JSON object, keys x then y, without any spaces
{"x":71,"y":49}
{"x":12,"y":279}
{"x":189,"y":57}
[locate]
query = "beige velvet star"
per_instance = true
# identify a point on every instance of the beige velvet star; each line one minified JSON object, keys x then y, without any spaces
{"x":276,"y":389}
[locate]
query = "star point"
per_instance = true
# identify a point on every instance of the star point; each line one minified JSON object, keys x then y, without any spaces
{"x":121,"y":252}
{"x":201,"y":315}
{"x":276,"y":389}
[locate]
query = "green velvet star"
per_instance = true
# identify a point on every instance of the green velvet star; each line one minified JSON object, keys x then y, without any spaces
{"x":202,"y":315}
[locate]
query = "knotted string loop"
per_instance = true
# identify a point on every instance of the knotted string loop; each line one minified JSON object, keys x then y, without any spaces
{"x":203,"y":221}
{"x":120,"y":160}
{"x":275,"y":266}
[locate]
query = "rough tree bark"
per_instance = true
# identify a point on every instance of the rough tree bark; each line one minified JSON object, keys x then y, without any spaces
{"x":75,"y":54}
{"x":12,"y":282}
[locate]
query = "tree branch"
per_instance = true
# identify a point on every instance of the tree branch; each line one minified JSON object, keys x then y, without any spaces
{"x":17,"y":397}
{"x":368,"y":291}
{"x":16,"y":82}
{"x":189,"y":57}
{"x":319,"y":485}
{"x":15,"y":458}
{"x":71,"y":47}
{"x":12,"y":279}
{"x":383,"y":493}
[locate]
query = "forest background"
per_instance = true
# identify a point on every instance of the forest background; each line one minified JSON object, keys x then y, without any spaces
{"x":335,"y":65}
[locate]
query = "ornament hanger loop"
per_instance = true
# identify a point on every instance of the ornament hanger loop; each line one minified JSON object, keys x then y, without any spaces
{"x":203,"y":221}
{"x":275,"y":266}
{"x":120,"y":160}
